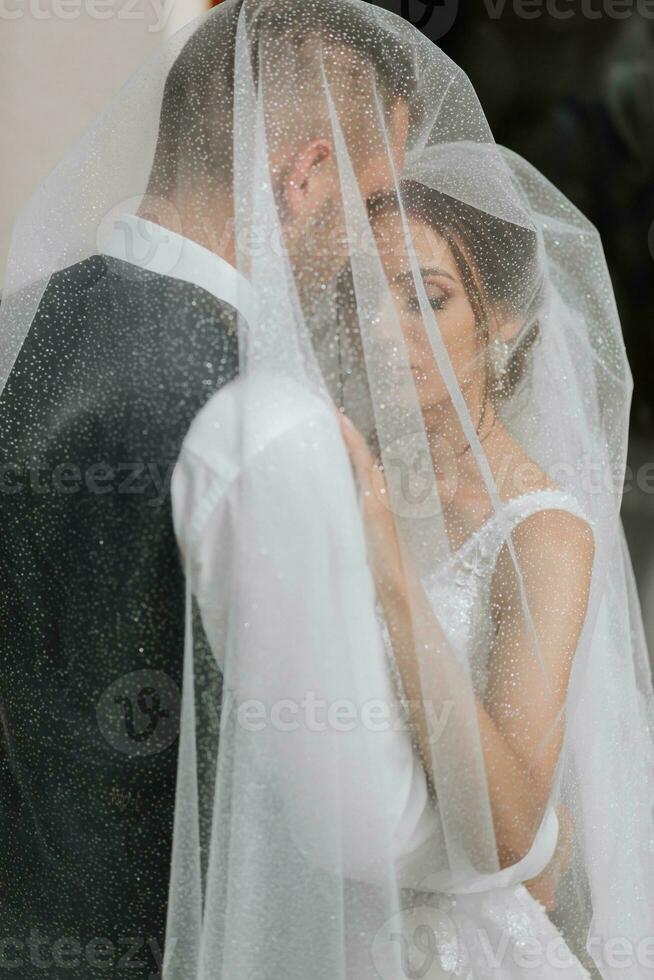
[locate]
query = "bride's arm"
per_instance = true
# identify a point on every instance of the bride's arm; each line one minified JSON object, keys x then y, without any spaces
{"x":520,"y":719}
{"x":525,"y":698}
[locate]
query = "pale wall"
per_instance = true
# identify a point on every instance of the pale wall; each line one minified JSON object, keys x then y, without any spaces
{"x":56,"y":74}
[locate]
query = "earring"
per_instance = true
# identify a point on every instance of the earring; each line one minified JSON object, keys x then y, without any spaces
{"x":499,"y":355}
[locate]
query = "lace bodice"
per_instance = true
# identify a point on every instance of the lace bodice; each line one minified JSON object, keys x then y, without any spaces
{"x":459,"y":590}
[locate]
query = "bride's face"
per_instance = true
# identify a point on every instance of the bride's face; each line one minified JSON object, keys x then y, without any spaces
{"x":446,"y":296}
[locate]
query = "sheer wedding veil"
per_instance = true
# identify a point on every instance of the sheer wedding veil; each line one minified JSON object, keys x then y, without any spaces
{"x":351,"y":161}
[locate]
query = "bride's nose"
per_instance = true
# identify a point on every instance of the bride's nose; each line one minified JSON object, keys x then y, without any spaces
{"x":388,"y":325}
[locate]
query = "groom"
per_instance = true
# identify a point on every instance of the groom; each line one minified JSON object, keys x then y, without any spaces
{"x":125,"y":349}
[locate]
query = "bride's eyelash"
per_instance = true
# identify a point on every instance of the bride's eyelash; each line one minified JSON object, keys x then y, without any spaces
{"x":436,"y":303}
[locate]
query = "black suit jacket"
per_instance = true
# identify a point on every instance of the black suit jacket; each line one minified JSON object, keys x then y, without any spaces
{"x":115,"y":366}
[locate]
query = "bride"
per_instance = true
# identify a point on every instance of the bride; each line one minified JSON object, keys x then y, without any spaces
{"x":474,"y":288}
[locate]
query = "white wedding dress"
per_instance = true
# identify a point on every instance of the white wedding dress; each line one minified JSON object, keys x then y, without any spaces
{"x":501,"y":932}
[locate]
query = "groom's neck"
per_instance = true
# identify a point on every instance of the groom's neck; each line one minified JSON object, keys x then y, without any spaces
{"x":209,"y":222}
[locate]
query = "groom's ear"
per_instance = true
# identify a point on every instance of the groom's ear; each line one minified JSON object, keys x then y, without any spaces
{"x":309,"y":179}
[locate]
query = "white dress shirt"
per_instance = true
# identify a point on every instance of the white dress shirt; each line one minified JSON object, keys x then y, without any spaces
{"x":209,"y":463}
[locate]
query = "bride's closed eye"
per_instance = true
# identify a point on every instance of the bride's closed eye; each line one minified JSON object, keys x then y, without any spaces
{"x":436,"y":302}
{"x":411,"y":301}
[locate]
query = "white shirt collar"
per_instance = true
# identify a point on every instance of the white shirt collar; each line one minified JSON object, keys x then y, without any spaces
{"x":157,"y":249}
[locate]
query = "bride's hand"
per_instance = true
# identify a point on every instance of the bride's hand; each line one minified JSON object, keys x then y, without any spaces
{"x":384,"y":552}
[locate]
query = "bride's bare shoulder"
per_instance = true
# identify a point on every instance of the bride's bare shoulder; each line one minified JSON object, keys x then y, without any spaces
{"x":517,"y":473}
{"x":555,"y":551}
{"x":555,"y":545}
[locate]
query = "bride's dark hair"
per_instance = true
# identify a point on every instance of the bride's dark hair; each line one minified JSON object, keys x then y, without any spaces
{"x":497,"y":262}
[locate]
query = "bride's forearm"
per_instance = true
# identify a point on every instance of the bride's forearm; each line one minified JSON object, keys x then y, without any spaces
{"x":434,"y":687}
{"x":400,"y":627}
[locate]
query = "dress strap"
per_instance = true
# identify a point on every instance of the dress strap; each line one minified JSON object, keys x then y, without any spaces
{"x":518,"y":508}
{"x":545,"y":499}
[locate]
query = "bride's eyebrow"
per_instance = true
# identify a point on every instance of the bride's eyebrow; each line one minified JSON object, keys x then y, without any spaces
{"x":406,"y":278}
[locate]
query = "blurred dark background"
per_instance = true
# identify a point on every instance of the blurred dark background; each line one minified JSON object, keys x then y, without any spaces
{"x":570,"y":87}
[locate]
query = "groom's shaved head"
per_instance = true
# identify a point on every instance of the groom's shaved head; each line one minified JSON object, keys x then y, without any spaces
{"x":291,"y":44}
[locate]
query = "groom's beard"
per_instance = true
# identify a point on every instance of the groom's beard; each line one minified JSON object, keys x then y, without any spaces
{"x":319,"y":254}
{"x":323,"y":254}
